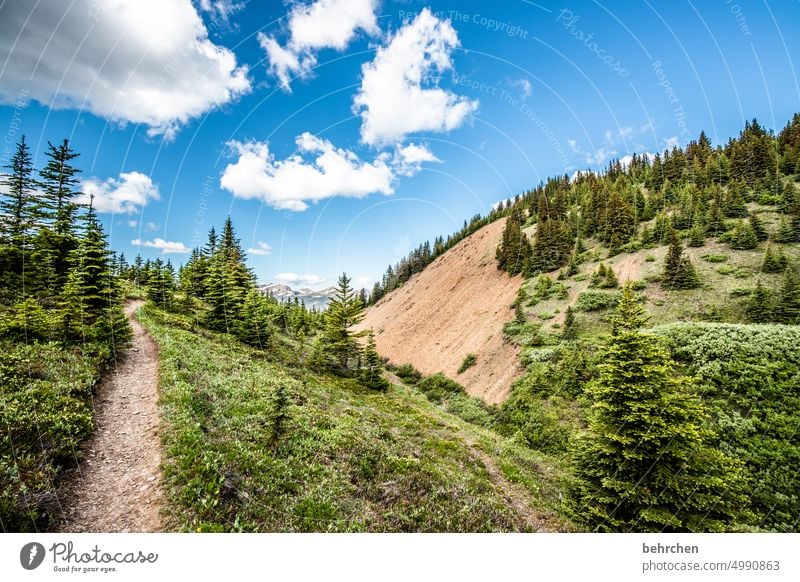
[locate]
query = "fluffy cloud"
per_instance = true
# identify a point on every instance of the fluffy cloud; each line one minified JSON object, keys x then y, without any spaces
{"x":293,"y":279}
{"x":261,"y":249}
{"x":408,"y":160}
{"x":289,"y":184}
{"x":167,"y":247}
{"x":312,"y":27}
{"x":139,"y":61}
{"x":220,"y":10}
{"x":125,"y":195}
{"x":392,"y":101}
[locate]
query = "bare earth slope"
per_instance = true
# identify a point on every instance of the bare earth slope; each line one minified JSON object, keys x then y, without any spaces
{"x":456,"y":306}
{"x":117,"y":488}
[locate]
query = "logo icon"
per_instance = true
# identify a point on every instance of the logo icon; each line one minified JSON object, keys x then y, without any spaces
{"x":31,"y":555}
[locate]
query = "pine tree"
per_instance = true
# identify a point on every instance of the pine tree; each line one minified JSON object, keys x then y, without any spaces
{"x":773,"y":262}
{"x":371,"y":376}
{"x":19,"y":207}
{"x":784,"y":233}
{"x":742,"y":237}
{"x":759,"y":306}
{"x":514,"y":252}
{"x":59,"y":182}
{"x":256,"y":327}
{"x":645,"y":463}
{"x":344,"y":311}
{"x":228,"y":280}
{"x":569,"y":332}
{"x":697,"y":234}
{"x":787,"y":309}
{"x":679,"y":273}
{"x":758,"y":227}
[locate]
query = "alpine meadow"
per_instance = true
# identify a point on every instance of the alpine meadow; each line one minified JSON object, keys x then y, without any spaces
{"x":590,"y":318}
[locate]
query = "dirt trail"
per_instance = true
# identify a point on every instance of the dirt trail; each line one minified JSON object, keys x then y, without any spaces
{"x":117,"y":487}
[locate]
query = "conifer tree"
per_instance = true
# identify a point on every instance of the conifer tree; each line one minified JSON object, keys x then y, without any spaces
{"x":679,"y":273}
{"x":758,"y":227}
{"x":19,"y":206}
{"x":742,"y":237}
{"x":256,"y":327}
{"x":344,"y":311}
{"x":58,"y":179}
{"x":774,"y":262}
{"x":697,"y":234}
{"x":228,"y":280}
{"x":569,"y":332}
{"x":787,"y":309}
{"x":759,"y":305}
{"x":514,"y":252}
{"x":371,"y":376}
{"x":645,"y":463}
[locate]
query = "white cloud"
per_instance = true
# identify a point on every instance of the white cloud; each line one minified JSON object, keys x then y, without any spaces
{"x":133,"y":223}
{"x":524,"y":86}
{"x":600,"y":156}
{"x":392,"y":101}
{"x":312,"y":27}
{"x":363,"y":281}
{"x":293,"y":279}
{"x":671,"y":142}
{"x":289,"y":184}
{"x":627,"y":159}
{"x":167,"y":247}
{"x":150,"y":226}
{"x":220,"y":10}
{"x":139,"y":61}
{"x":261,"y":249}
{"x":127,"y":195}
{"x":408,"y":160}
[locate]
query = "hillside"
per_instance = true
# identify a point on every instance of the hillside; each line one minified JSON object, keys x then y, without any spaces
{"x":345,"y":458}
{"x":456,"y":306}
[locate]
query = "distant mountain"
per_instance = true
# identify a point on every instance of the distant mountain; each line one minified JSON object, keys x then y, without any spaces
{"x":310,"y":297}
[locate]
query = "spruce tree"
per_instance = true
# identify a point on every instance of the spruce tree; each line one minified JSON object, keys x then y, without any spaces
{"x":787,"y":309}
{"x":697,"y":234}
{"x":371,"y":376}
{"x":514,"y":252}
{"x":742,"y":237}
{"x":784,"y":232}
{"x":58,"y":179}
{"x":569,"y":332}
{"x":19,"y":206}
{"x":344,"y":311}
{"x":679,"y":272}
{"x":759,"y":305}
{"x":774,"y":262}
{"x":645,"y":463}
{"x":758,"y":227}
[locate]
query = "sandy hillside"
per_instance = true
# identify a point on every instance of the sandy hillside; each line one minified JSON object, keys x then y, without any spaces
{"x":456,"y":306}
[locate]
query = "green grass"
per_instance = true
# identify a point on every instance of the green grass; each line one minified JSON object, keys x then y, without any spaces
{"x":45,"y":413}
{"x":348,"y":459}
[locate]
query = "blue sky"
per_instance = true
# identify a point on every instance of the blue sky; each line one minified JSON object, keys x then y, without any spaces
{"x":339,"y":134}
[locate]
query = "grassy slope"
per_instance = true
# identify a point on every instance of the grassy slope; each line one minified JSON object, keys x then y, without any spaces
{"x":739,"y":270}
{"x":350,"y":459}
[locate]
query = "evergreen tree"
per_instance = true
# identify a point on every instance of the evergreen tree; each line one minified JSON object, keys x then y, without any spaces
{"x":742,"y":237}
{"x":569,"y":332}
{"x":787,"y":309}
{"x":759,"y":306}
{"x":344,"y":311}
{"x":773,"y":262}
{"x":19,"y":206}
{"x":697,"y":234}
{"x":514,"y":252}
{"x":784,"y":233}
{"x":228,"y":280}
{"x":371,"y":376}
{"x":646,"y":463}
{"x":758,"y":227}
{"x":256,"y":327}
{"x":679,"y":273}
{"x":58,"y":179}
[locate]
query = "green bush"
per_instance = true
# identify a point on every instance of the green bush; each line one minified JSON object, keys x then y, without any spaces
{"x":439,"y":387}
{"x":469,"y":361}
{"x":596,"y":301}
{"x":407,"y":373}
{"x":750,"y":375}
{"x":714,"y":258}
{"x":46,"y":412}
